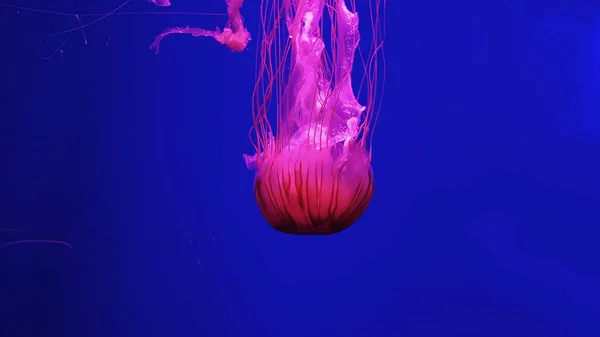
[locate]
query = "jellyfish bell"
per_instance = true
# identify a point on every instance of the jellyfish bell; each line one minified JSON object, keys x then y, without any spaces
{"x":314,"y":175}
{"x":310,"y":191}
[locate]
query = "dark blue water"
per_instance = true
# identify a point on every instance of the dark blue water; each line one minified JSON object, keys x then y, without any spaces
{"x":484,"y":220}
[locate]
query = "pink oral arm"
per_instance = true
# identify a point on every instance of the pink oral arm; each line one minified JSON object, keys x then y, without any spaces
{"x":216,"y":34}
{"x":161,"y":3}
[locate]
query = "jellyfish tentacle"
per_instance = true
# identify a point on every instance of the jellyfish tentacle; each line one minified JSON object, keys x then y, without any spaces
{"x":234,"y":35}
{"x":195,"y":32}
{"x":57,"y":242}
{"x":160,"y":3}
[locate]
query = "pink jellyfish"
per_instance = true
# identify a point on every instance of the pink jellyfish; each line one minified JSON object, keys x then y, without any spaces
{"x":313,"y":172}
{"x":313,"y":164}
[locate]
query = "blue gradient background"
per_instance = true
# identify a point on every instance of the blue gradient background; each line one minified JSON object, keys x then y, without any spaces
{"x":487,"y":165}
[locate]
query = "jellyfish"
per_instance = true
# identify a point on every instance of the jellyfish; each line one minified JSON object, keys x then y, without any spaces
{"x":312,"y":161}
{"x":312,"y":166}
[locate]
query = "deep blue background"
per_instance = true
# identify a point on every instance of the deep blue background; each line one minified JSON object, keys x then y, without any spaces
{"x":487,"y":164}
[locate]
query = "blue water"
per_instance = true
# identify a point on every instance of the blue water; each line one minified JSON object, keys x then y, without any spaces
{"x":484,"y":221}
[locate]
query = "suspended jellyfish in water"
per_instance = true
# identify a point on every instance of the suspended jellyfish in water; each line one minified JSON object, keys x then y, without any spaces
{"x":313,"y":164}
